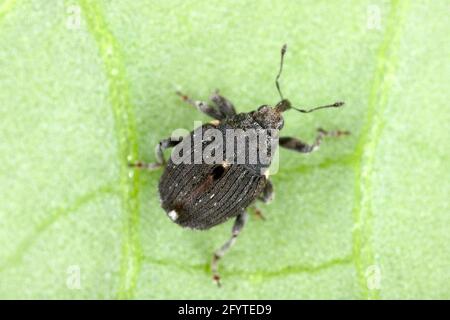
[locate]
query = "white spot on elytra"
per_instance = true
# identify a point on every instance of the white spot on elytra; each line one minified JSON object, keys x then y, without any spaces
{"x":212,"y":196}
{"x":173,"y":215}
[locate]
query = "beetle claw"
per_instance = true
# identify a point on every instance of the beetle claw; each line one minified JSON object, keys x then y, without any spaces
{"x":216,"y":279}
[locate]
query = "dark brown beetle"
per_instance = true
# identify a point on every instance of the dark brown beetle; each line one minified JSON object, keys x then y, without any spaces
{"x":203,"y":194}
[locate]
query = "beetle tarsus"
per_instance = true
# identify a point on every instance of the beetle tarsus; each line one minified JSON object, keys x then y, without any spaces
{"x":336,"y":133}
{"x":147,"y":166}
{"x":215,"y":267}
{"x":216,"y":279}
{"x":219,"y":110}
{"x":259,"y":214}
{"x":237,"y":228}
{"x":185,"y":98}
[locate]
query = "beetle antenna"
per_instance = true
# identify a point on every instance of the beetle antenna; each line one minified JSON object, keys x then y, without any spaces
{"x":334,"y":105}
{"x":283,"y":51}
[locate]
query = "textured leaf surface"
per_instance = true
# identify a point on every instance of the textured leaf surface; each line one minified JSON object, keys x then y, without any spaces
{"x":365,"y":217}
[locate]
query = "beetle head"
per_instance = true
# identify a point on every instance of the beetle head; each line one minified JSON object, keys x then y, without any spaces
{"x":268,"y":117}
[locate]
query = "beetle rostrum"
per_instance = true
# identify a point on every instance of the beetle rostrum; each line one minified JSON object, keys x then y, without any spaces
{"x":220,"y":169}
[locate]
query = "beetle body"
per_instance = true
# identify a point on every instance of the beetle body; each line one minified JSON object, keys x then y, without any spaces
{"x":203,"y":195}
{"x":202,"y":192}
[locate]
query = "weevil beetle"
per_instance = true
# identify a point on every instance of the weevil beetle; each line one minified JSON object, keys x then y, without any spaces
{"x":203,"y":194}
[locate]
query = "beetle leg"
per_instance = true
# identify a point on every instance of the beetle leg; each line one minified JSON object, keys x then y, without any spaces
{"x":223,"y":104}
{"x":258,"y":213}
{"x":300,"y":146}
{"x":219,"y":253}
{"x":159,"y":151}
{"x":202,"y":107}
{"x":267,"y":194}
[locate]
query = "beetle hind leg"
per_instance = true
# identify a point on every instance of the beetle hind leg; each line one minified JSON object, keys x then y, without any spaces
{"x":266,"y":196}
{"x":159,"y":151}
{"x":300,"y":146}
{"x":219,"y":253}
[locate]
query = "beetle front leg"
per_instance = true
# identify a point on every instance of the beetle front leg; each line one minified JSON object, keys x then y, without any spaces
{"x":159,"y":152}
{"x":300,"y":146}
{"x":202,"y":107}
{"x":218,"y":254}
{"x":223,"y":104}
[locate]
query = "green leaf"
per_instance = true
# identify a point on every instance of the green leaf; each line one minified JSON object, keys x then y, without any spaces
{"x":87,"y":86}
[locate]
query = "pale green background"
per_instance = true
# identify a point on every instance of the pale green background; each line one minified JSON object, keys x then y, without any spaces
{"x":365,"y":217}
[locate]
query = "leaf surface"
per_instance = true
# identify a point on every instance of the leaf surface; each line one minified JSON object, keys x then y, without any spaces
{"x":87,"y":86}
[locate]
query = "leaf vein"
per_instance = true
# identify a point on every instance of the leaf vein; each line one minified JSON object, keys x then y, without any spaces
{"x":284,"y":271}
{"x":6,"y":7}
{"x":384,"y":77}
{"x":55,"y":215}
{"x":111,"y":55}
